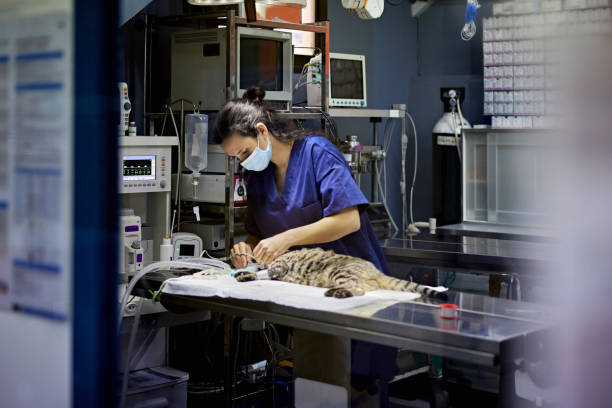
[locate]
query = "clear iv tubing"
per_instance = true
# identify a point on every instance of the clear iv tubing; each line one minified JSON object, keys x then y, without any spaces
{"x":416,"y":160}
{"x":190,"y":263}
{"x":178,"y":169}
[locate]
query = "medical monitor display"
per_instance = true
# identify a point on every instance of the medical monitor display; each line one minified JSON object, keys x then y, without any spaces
{"x":346,"y":79}
{"x":261,"y":63}
{"x":187,"y":250}
{"x":138,"y":167}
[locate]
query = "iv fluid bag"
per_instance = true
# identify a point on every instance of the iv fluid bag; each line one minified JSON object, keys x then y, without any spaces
{"x":196,"y":141}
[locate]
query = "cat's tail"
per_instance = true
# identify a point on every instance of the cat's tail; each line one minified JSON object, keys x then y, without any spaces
{"x":406,"y":286}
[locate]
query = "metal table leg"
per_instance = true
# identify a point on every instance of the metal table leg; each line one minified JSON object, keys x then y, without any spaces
{"x":228,"y":354}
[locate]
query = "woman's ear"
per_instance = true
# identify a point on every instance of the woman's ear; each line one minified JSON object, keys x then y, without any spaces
{"x":261,"y":128}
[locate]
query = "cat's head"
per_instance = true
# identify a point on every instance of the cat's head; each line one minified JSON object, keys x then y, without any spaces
{"x":277,"y":269}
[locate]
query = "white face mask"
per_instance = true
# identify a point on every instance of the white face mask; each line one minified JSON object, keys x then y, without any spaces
{"x":259,"y":159}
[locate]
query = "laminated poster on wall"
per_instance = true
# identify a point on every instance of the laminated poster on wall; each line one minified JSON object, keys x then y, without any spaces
{"x":35,"y":162}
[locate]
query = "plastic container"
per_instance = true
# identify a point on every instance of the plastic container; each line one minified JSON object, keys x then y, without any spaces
{"x":449,"y":311}
{"x":196,"y":141}
{"x":157,"y":387}
{"x":166,"y":249}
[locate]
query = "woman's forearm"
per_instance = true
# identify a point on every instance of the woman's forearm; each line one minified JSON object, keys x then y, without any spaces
{"x":327,"y":229}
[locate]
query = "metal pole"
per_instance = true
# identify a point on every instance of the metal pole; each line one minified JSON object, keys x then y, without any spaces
{"x":229,"y":161}
{"x":144,"y":78}
{"x":403,"y":176}
{"x":229,"y":204}
{"x":374,"y":186}
{"x":180,"y":167}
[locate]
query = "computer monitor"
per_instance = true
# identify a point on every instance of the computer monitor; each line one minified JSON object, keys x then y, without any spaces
{"x":347,"y":77}
{"x":265,"y":58}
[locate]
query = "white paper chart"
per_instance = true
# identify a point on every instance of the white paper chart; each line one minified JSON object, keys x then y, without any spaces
{"x":36,"y":164}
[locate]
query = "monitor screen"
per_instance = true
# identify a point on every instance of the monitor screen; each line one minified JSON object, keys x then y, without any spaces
{"x":138,"y":167}
{"x":187,"y":250}
{"x":261,"y":63}
{"x":346,"y":78}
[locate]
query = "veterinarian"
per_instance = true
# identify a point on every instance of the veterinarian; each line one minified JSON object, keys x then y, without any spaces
{"x":299,"y":187}
{"x":301,"y":193}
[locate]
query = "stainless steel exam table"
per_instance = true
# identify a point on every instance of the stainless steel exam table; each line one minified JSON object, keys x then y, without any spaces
{"x":489,"y":331}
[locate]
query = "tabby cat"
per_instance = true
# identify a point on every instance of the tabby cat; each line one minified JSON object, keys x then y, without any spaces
{"x":343,"y":275}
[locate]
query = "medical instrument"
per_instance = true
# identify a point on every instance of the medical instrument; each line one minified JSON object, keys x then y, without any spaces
{"x":358,"y":156}
{"x":186,"y":245}
{"x":351,"y":150}
{"x":211,"y":189}
{"x":199,"y":65}
{"x":469,"y":29}
{"x":347,"y":78}
{"x":130,"y":238}
{"x":365,"y":9}
{"x":241,"y":254}
{"x":125,"y":107}
{"x":212,"y":233}
{"x":144,"y":163}
{"x":196,"y":146}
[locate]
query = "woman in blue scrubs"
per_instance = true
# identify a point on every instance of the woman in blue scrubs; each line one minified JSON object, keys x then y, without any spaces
{"x":300,"y":189}
{"x":301,"y":193}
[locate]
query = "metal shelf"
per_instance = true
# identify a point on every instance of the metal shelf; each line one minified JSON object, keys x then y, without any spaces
{"x":299,"y":114}
{"x":365,"y":113}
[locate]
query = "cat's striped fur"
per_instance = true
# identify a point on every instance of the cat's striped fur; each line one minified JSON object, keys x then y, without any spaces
{"x":343,"y":275}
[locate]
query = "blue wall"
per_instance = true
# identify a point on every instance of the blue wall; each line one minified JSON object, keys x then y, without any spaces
{"x":408,"y":61}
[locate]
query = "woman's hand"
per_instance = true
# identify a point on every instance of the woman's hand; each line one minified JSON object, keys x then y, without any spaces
{"x":269,"y":249}
{"x":241,"y":261}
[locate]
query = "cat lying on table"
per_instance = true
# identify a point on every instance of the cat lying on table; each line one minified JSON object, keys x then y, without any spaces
{"x":343,"y":275}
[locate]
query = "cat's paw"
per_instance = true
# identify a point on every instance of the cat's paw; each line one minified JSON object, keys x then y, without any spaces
{"x":245,"y":276}
{"x":339,"y":293}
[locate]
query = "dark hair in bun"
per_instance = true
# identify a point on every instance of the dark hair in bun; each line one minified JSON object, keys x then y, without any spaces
{"x":243,"y":114}
{"x":255,"y":94}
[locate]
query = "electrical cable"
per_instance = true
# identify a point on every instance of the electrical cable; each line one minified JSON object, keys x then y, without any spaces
{"x":456,"y":134}
{"x":462,"y":122}
{"x":416,"y":160}
{"x":126,"y":364}
{"x":302,"y":74}
{"x":384,"y":197}
{"x":273,"y":370}
{"x":333,"y":127}
{"x":190,"y":263}
{"x":389,"y":129}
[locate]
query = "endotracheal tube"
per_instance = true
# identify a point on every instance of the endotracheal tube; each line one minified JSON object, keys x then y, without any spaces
{"x":469,"y":29}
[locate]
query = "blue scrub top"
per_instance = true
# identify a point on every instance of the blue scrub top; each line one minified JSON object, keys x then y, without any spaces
{"x":318,"y":184}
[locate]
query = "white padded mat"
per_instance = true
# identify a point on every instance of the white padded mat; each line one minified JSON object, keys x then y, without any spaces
{"x":282,"y":293}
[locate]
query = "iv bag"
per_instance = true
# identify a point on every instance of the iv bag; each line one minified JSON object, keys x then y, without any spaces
{"x":469,"y":29}
{"x":196,"y":142}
